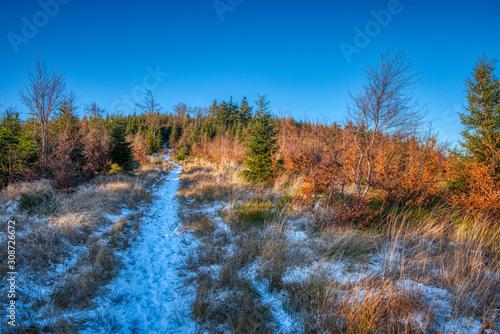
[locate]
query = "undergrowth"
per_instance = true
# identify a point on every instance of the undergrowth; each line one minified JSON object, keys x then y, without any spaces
{"x":409,"y":270}
{"x":75,"y":231}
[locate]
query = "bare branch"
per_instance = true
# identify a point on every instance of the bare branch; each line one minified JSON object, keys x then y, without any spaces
{"x":385,"y":106}
{"x":42,"y":95}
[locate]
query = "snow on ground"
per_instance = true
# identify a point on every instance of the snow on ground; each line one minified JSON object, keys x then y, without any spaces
{"x":147,"y":296}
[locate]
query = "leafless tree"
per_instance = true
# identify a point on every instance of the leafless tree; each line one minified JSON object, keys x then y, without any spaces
{"x":93,"y":111}
{"x":151,"y":108}
{"x":42,"y":95}
{"x":386,"y":105}
{"x":181,"y":111}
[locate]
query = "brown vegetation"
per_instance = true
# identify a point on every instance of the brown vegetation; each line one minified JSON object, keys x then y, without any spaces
{"x":74,"y":231}
{"x":421,"y":271}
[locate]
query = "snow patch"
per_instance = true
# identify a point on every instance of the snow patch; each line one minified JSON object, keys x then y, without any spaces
{"x":147,"y":295}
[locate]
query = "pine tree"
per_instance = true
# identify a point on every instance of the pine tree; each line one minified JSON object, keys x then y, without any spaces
{"x":234,"y":111}
{"x":175,"y":134}
{"x":131,"y":127}
{"x":67,"y":155}
{"x":28,"y":148}
{"x":223,"y":115}
{"x":151,"y":111}
{"x":208,"y":129}
{"x":482,"y":122}
{"x":121,"y":151}
{"x":214,"y":109}
{"x":245,"y":112}
{"x":65,"y":120}
{"x":10,"y":134}
{"x":261,"y":145}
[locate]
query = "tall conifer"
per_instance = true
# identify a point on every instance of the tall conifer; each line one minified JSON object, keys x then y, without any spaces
{"x":261,"y":145}
{"x":482,"y":122}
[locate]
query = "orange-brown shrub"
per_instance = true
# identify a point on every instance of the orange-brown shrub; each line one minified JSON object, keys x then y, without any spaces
{"x":96,"y":150}
{"x":479,"y":190}
{"x":336,"y":211}
{"x":65,"y":161}
{"x":314,"y":151}
{"x":222,"y":149}
{"x":409,"y":171}
{"x":139,"y":148}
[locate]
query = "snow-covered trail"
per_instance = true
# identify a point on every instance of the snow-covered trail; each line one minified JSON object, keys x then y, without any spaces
{"x":146,"y":296}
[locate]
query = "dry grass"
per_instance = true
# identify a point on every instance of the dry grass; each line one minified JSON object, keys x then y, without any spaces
{"x":50,"y":242}
{"x":287,"y":185}
{"x":209,"y":184}
{"x":427,"y":261}
{"x":232,"y":305}
{"x":152,"y":171}
{"x":94,"y":269}
{"x":225,"y":299}
{"x":323,"y":305}
{"x":412,"y":273}
{"x":108,"y":194}
{"x":387,"y":309}
{"x":60,"y":325}
{"x":455,"y":253}
{"x":124,"y":231}
{"x":34,"y":198}
{"x":47,"y":242}
{"x":78,"y":229}
{"x":277,"y":255}
{"x":355,"y":245}
{"x":13,"y":191}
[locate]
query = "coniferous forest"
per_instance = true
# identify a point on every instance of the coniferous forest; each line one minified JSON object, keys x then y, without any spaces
{"x":383,"y":152}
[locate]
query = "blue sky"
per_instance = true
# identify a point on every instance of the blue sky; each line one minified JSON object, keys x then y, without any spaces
{"x":289,"y":50}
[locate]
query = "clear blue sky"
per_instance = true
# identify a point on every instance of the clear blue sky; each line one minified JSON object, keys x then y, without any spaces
{"x":289,"y":50}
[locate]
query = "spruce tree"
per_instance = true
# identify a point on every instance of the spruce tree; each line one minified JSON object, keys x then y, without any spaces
{"x":151,"y":109}
{"x":214,"y":109}
{"x":175,"y":134}
{"x":482,"y":122}
{"x":131,"y":127}
{"x":154,"y":144}
{"x":66,"y":121}
{"x":234,"y":111}
{"x":121,"y":151}
{"x":245,"y":112}
{"x":10,"y":134}
{"x":69,"y":141}
{"x":223,"y":115}
{"x":261,"y":145}
{"x":208,"y":129}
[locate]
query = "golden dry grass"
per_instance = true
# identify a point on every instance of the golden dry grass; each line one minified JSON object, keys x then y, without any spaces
{"x":399,"y":264}
{"x":70,"y":231}
{"x":205,"y":183}
{"x":13,"y":191}
{"x":287,"y":185}
{"x":107,"y":194}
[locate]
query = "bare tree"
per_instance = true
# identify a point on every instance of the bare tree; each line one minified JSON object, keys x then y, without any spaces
{"x":93,"y":111}
{"x":42,"y":95}
{"x":151,"y":108}
{"x":385,"y":106}
{"x":181,"y":111}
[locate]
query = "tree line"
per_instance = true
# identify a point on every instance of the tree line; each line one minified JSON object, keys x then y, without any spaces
{"x":380,"y":155}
